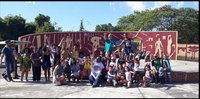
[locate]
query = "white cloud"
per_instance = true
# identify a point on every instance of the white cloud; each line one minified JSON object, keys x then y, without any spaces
{"x":136,"y":6}
{"x":180,"y":4}
{"x":31,"y":2}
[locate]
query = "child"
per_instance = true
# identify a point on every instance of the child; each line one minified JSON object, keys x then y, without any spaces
{"x":128,"y":77}
{"x":87,"y":66}
{"x":81,"y":65}
{"x":59,"y":73}
{"x":26,"y":63}
{"x":111,"y":76}
{"x":120,"y":77}
{"x":75,"y":70}
{"x":147,"y":77}
{"x":136,"y":69}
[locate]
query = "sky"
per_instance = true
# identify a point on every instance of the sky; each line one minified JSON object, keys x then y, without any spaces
{"x":68,"y":14}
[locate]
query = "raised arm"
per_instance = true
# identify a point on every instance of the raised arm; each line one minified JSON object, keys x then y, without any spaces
{"x":61,"y":42}
{"x":137,"y":33}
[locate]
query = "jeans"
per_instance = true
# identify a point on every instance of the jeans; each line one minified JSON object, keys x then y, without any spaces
{"x":168,"y":78}
{"x":128,"y":51}
{"x":94,"y":82}
{"x":161,"y":79}
{"x":9,"y":70}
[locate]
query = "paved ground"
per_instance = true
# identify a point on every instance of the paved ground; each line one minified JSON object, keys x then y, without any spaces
{"x":30,"y":89}
{"x":19,"y":89}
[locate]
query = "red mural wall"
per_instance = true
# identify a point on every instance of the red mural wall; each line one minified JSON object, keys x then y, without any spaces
{"x":154,"y":42}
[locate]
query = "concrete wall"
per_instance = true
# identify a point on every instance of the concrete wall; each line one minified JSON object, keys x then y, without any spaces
{"x":154,"y":42}
{"x":188,"y":52}
{"x":185,"y":77}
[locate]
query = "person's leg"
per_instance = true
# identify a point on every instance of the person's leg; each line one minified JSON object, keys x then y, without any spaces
{"x":22,"y":75}
{"x":38,"y":73}
{"x":34,"y":73}
{"x":49,"y":74}
{"x":26,"y":72}
{"x":109,"y":80}
{"x":91,"y":79}
{"x":14,"y":70}
{"x":97,"y":82}
{"x":45,"y":74}
{"x":169,"y":78}
{"x":9,"y":70}
{"x":6,"y":71}
{"x":144,"y":81}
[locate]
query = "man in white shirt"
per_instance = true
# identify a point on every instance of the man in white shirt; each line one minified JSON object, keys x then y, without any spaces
{"x":95,"y":76}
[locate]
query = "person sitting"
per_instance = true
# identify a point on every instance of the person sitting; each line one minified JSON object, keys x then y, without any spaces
{"x":75,"y":68}
{"x":59,"y":77}
{"x":111,"y":75}
{"x":147,"y":77}
{"x":95,"y":76}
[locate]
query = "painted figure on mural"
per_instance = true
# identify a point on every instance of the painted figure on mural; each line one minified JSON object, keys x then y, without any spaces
{"x":95,"y":42}
{"x":158,"y":47}
{"x":169,"y":44}
{"x":68,"y":42}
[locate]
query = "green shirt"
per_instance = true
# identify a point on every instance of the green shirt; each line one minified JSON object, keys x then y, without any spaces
{"x":109,"y":45}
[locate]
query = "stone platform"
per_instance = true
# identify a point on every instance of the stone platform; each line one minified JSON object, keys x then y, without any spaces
{"x":30,"y":89}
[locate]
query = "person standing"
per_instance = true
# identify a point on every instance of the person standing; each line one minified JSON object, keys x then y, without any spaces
{"x":46,"y":63}
{"x":36,"y":64}
{"x":26,"y":63}
{"x":6,"y":52}
{"x":14,"y":63}
{"x":109,"y":46}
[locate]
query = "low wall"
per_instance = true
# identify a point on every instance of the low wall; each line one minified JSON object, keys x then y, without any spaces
{"x":185,"y":77}
{"x":188,"y":52}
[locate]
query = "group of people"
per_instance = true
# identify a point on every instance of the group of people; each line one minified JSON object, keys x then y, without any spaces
{"x":117,"y":65}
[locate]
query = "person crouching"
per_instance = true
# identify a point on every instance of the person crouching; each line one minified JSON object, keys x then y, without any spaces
{"x":59,"y":73}
{"x":112,"y":76}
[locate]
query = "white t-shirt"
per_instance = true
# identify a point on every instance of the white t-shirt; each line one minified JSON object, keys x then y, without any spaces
{"x":101,"y":66}
{"x":128,"y":76}
{"x":136,"y":67}
{"x":147,"y":74}
{"x":95,"y":72}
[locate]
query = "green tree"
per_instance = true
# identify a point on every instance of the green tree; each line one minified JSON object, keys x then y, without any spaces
{"x":43,"y":24}
{"x":81,"y":26}
{"x":48,"y":27}
{"x":165,"y":18}
{"x":2,"y":29}
{"x":30,"y":28}
{"x":13,"y":25}
{"x":41,"y":19}
{"x":105,"y":27}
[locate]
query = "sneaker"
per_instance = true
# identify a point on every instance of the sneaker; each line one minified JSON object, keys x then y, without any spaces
{"x":15,"y":77}
{"x":115,"y":83}
{"x":5,"y":77}
{"x":18,"y":75}
{"x":11,"y":80}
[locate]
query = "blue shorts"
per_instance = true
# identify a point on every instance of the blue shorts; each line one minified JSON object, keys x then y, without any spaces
{"x":46,"y":64}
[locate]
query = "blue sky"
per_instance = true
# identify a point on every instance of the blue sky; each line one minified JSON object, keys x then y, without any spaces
{"x":68,"y":14}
